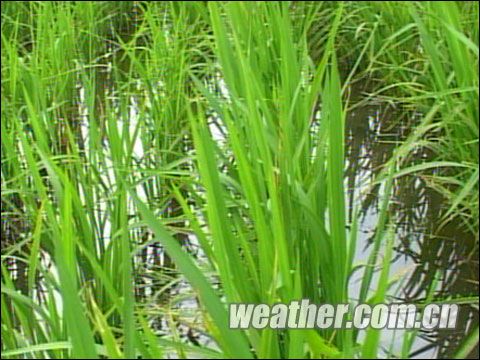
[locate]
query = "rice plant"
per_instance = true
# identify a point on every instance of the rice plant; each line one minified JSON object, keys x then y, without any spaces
{"x":162,"y":160}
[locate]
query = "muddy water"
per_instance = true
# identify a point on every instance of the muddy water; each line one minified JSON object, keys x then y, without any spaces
{"x":423,"y":246}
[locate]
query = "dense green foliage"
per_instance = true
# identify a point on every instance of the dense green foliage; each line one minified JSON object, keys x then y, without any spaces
{"x":134,"y":132}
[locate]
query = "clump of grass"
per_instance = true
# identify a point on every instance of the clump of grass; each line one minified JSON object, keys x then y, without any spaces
{"x":276,"y":213}
{"x":69,"y":153}
{"x":422,"y":57}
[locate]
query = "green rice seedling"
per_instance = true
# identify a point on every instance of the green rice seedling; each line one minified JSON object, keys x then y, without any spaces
{"x":69,"y":172}
{"x":276,"y":215}
{"x":449,"y":74}
{"x":220,"y":127}
{"x":419,"y":57}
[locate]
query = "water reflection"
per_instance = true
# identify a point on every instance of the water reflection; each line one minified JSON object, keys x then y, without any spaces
{"x":423,"y":246}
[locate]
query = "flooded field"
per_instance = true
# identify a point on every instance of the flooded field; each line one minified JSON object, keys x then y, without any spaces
{"x":426,"y":248}
{"x":164,"y":160}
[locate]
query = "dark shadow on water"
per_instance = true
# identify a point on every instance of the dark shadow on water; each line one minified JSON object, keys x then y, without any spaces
{"x":423,"y":247}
